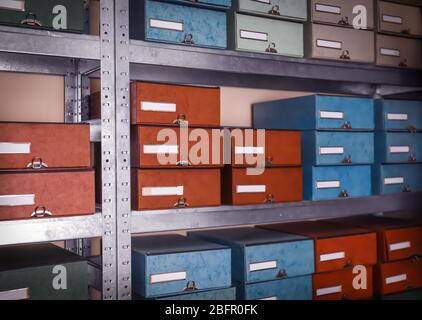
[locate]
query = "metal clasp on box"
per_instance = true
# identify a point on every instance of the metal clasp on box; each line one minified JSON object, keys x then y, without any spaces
{"x":407,"y":188}
{"x":271,"y":48}
{"x":37,"y":163}
{"x":181,"y":203}
{"x":269,"y":199}
{"x":188,"y":39}
{"x":344,"y":21}
{"x":275,"y":10}
{"x":347,"y":159}
{"x":344,"y":194}
{"x":183,"y":163}
{"x":345,"y":55}
{"x":31,"y":20}
{"x":282,"y":274}
{"x":347,"y":125}
{"x":181,"y":120}
{"x":412,"y":158}
{"x":41,"y":212}
{"x":190,"y":286}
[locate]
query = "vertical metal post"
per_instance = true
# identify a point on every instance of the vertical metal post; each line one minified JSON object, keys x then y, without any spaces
{"x":123,"y":150}
{"x":72,"y":107}
{"x":108,"y":150}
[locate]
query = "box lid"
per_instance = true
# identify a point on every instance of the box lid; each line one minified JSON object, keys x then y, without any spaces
{"x":29,"y":256}
{"x":166,"y":244}
{"x":317,"y":229}
{"x":250,"y":236}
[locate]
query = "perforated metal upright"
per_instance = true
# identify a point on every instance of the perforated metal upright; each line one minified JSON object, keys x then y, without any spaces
{"x":115,"y":148}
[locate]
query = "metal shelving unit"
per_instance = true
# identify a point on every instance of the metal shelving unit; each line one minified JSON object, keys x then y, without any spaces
{"x":116,"y":59}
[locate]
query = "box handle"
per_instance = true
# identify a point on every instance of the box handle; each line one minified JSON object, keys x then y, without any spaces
{"x":183,"y":163}
{"x":411,"y":128}
{"x":345,"y":55}
{"x":190,"y":286}
{"x":347,"y":125}
{"x":269,"y":199}
{"x":181,"y":120}
{"x":188,"y":39}
{"x":344,"y":21}
{"x":271,"y":48}
{"x":282,"y":274}
{"x":31,"y":20}
{"x":344,"y":194}
{"x":41,"y":212}
{"x":275,"y":10}
{"x":407,"y":188}
{"x":37,"y":163}
{"x":181,"y":203}
{"x":347,"y":159}
{"x":412,"y":158}
{"x":348,"y":264}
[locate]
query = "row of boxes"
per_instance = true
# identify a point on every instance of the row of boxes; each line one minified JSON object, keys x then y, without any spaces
{"x":339,"y":147}
{"x":277,"y":28}
{"x":45,"y":170}
{"x":348,"y":258}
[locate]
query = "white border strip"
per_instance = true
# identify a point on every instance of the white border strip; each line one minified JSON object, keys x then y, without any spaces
{"x":259,"y":266}
{"x":253,"y":35}
{"x":328,"y":44}
{"x":395,"y":180}
{"x":395,"y":279}
{"x":162,"y":191}
{"x":331,"y":115}
{"x":13,"y":295}
{"x":332,"y":256}
{"x":397,"y":116}
{"x":158,"y":106}
{"x":15,"y":148}
{"x":16,"y":200}
{"x":328,"y":184}
{"x":168,"y":277}
{"x":390,"y":52}
{"x":392,"y":19}
{"x":166,"y":25}
{"x":259,"y":188}
{"x":331,"y":150}
{"x":330,"y":290}
{"x":16,"y":5}
{"x":399,"y":149}
{"x":400,"y":246}
{"x":249,"y":150}
{"x":327,"y":8}
{"x":161,"y":149}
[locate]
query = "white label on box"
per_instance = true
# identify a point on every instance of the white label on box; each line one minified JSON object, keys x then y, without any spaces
{"x":162,"y":191}
{"x":390,"y":52}
{"x":395,"y":180}
{"x":249,"y":150}
{"x":399,"y":149}
{"x":331,"y":115}
{"x":331,"y":256}
{"x":269,"y":298}
{"x":398,"y":116}
{"x":329,"y":44}
{"x":15,"y":148}
{"x":262,"y":266}
{"x":392,"y":19}
{"x":395,"y":279}
{"x":167,"y":25}
{"x":328,"y":184}
{"x":400,"y":246}
{"x":158,"y":106}
{"x":253,"y":35}
{"x":168,"y":277}
{"x":16,"y":200}
{"x":327,"y":8}
{"x":251,"y":189}
{"x":17,"y":5}
{"x":18,"y":294}
{"x":330,"y":290}
{"x":331,"y":150}
{"x":161,"y":149}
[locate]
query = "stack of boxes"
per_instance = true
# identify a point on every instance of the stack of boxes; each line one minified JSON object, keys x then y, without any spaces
{"x":398,"y":41}
{"x":267,"y":265}
{"x":337,"y":142}
{"x":262,"y":171}
{"x":338,"y":250}
{"x":170,"y":170}
{"x":180,"y":268}
{"x":193,"y":23}
{"x":341,"y":30}
{"x":45,"y":170}
{"x":268,"y":26}
{"x":399,"y":267}
{"x":398,"y":147}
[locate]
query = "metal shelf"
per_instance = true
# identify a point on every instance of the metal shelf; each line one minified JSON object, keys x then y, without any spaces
{"x":49,"y":43}
{"x":50,"y":229}
{"x":181,"y":64}
{"x":214,"y":217}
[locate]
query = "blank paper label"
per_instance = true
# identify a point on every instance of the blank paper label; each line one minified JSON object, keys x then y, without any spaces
{"x":251,"y":189}
{"x":331,"y":150}
{"x":390,"y":52}
{"x":328,"y":184}
{"x":327,"y":8}
{"x":392,"y":19}
{"x":330,"y":290}
{"x":15,"y":148}
{"x":262,"y":266}
{"x":400,"y":246}
{"x":261,"y":36}
{"x":331,"y":115}
{"x":398,"y":116}
{"x":269,"y":298}
{"x":18,"y":5}
{"x":395,"y":180}
{"x":162,"y":191}
{"x":332,"y":256}
{"x":18,"y":294}
{"x":400,"y":149}
{"x":16,"y":200}
{"x":329,"y":44}
{"x":167,"y":277}
{"x":395,"y":279}
{"x":249,"y":150}
{"x":167,"y":25}
{"x":161,"y":149}
{"x":158,"y":106}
